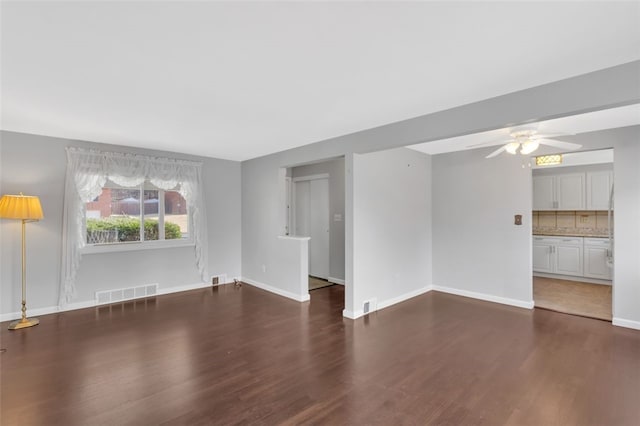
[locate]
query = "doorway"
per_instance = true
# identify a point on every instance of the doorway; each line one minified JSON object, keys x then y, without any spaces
{"x":311,"y":219}
{"x":572,"y":225}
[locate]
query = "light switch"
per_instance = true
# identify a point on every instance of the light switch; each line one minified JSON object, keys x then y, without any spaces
{"x":337,"y":217}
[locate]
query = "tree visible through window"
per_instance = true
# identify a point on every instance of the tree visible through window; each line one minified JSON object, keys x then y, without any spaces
{"x":144,"y":213}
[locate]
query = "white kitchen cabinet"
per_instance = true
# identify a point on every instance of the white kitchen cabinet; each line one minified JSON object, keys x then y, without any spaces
{"x":599,"y":186}
{"x":558,"y":255}
{"x":596,"y":251}
{"x":568,"y":256}
{"x":542,"y":255}
{"x":544,"y":193}
{"x":559,"y":192}
{"x":570,"y":191}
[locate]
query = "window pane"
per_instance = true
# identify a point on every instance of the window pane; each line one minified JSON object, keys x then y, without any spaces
{"x":151,"y":215}
{"x":114,"y":216}
{"x":176,"y":220}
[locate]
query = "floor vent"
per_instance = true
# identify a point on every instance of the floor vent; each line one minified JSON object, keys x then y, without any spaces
{"x":122,"y":294}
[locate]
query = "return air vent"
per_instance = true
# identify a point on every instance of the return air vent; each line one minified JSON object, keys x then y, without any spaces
{"x":129,"y":293}
{"x":370,"y":305}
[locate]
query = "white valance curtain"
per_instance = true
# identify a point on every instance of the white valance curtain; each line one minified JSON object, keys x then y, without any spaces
{"x":87,"y":173}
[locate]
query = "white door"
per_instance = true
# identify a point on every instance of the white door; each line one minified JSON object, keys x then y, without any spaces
{"x":312,"y":220}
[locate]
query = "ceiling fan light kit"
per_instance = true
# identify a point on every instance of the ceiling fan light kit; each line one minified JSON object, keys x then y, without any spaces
{"x":527,"y":141}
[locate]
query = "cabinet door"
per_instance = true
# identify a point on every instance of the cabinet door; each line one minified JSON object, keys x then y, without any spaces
{"x":598,"y":190}
{"x":544,"y":193}
{"x":568,"y":260}
{"x":595,"y":262}
{"x":542,"y":257}
{"x":570,"y":191}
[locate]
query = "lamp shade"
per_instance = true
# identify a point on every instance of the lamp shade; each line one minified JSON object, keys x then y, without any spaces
{"x":20,"y":207}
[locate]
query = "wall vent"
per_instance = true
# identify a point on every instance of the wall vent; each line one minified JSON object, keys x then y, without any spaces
{"x":370,"y":305}
{"x":123,"y":294}
{"x":219,"y":279}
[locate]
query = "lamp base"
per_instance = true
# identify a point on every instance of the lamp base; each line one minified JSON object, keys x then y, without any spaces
{"x":23,"y":323}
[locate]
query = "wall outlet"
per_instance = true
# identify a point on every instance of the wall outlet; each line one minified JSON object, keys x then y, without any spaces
{"x":264,"y":268}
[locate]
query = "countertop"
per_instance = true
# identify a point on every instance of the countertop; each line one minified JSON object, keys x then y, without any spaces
{"x":571,"y":232}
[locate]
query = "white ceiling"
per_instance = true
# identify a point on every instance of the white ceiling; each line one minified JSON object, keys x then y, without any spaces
{"x":239,"y":80}
{"x":573,"y":125}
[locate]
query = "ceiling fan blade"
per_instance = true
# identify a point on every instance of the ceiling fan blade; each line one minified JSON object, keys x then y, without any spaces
{"x":497,"y":152}
{"x":560,"y":144}
{"x":492,"y":142}
{"x":550,"y":135}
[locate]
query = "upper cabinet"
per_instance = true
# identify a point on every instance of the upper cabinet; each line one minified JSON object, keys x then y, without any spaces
{"x":572,"y":191}
{"x":544,"y":193}
{"x":599,"y":186}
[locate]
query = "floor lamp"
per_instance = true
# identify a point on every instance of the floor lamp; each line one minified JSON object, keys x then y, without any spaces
{"x":27,"y":209}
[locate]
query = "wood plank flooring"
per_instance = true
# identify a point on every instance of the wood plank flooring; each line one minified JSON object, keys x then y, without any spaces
{"x":571,"y":297}
{"x":226,"y":356}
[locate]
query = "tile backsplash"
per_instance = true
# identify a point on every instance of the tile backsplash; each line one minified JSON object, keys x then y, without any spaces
{"x":587,"y":223}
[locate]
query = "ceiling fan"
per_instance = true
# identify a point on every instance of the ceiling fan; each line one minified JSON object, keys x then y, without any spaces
{"x":527,"y":141}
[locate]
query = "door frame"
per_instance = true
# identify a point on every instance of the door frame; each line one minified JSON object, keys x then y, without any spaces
{"x":294,"y":206}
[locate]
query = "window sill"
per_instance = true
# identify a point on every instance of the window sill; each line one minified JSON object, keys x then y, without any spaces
{"x":135,"y":246}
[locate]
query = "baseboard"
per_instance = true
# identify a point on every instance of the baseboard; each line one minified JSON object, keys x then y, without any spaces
{"x":387,"y":303}
{"x":187,"y":287}
{"x":620,"y":322}
{"x":92,"y":303}
{"x":38,"y":312}
{"x":335,"y":280}
{"x":403,"y":297}
{"x":352,"y":314}
{"x":485,"y":297}
{"x":276,"y":290}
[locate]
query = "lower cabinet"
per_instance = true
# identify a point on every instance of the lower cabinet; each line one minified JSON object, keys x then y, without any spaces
{"x":558,"y":255}
{"x":596,"y":253}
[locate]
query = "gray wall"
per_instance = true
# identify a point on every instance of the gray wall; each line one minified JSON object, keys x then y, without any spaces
{"x":36,"y":165}
{"x":335,"y":170}
{"x":626,"y":177}
{"x":477,"y":247}
{"x":391,"y":227}
{"x":260,"y":180}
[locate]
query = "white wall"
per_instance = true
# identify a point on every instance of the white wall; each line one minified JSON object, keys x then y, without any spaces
{"x":477,"y":249}
{"x":335,"y":170}
{"x":391,"y":228}
{"x":36,"y":165}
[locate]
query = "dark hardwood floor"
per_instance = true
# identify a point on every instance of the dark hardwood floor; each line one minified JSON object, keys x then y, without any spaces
{"x":244,"y":356}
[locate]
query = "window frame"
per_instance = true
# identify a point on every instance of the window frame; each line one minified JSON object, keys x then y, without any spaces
{"x":160,"y":243}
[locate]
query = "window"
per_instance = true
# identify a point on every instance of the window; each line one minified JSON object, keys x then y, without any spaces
{"x":141,"y":214}
{"x":116,"y":201}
